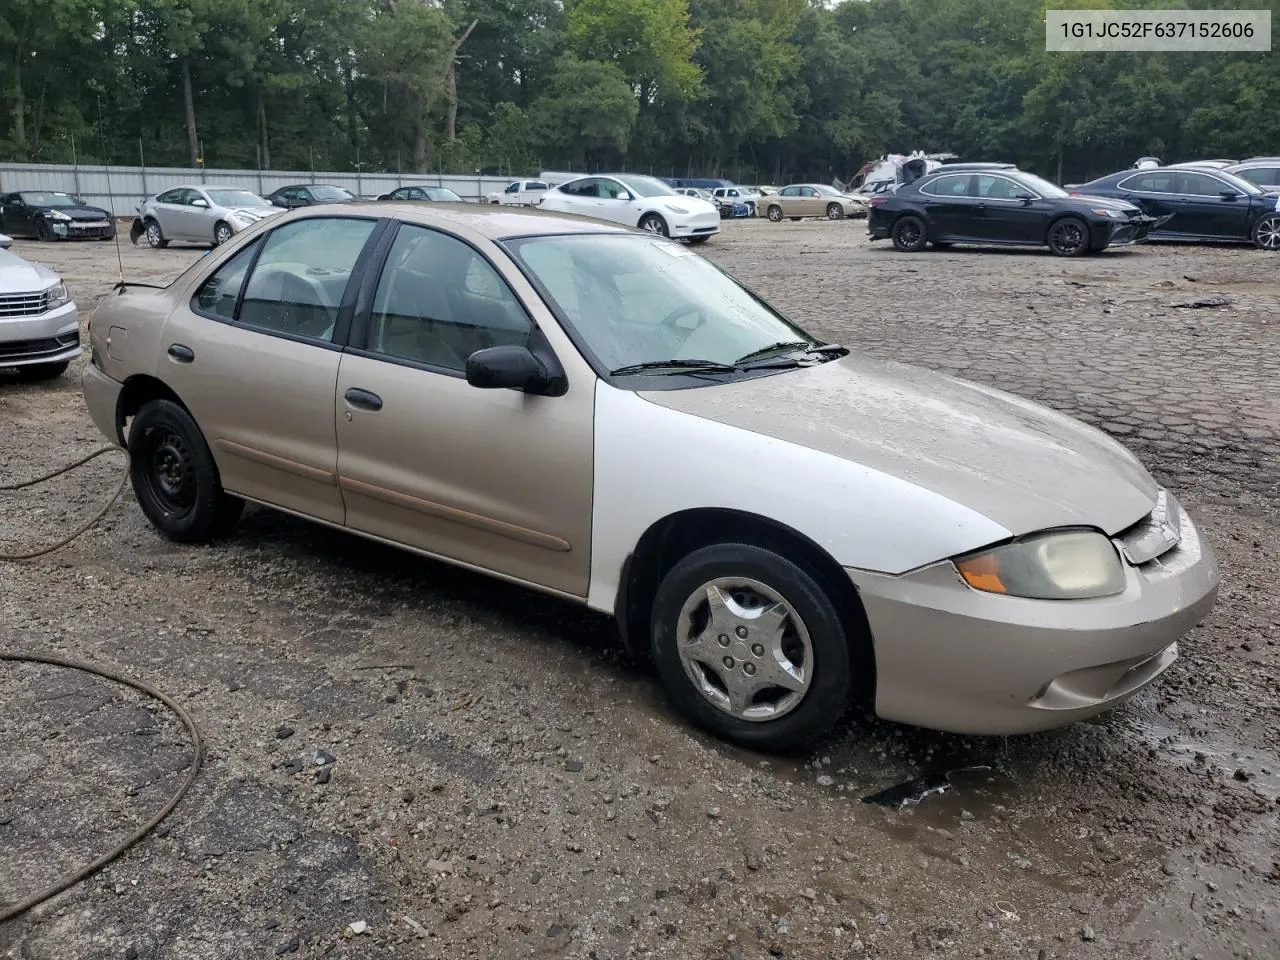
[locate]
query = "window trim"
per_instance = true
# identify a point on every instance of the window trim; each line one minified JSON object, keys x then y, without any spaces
{"x":1173,"y":193}
{"x":1000,"y":176}
{"x":343,"y":322}
{"x":947,"y":196}
{"x":362,"y":318}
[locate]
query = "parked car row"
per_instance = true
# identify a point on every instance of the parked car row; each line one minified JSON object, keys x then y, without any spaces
{"x":996,"y":203}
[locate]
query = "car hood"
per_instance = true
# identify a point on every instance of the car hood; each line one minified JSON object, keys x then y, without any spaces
{"x":77,"y":213}
{"x":22,"y":276}
{"x":1088,"y":202}
{"x":690,"y":204}
{"x":1021,"y":465}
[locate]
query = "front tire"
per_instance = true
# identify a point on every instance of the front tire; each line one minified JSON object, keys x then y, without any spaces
{"x":44,"y":233}
{"x":1266,"y":233}
{"x":909,"y":234}
{"x":43,"y":371}
{"x":175,"y":478}
{"x":1068,"y":237}
{"x":222,"y":234}
{"x":751,"y":647}
{"x":653,"y":223}
{"x":774,"y":213}
{"x":835,"y":211}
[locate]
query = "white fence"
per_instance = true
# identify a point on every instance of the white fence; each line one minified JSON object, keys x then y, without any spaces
{"x":120,"y":189}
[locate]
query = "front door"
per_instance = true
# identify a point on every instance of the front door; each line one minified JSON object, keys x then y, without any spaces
{"x":1003,"y":215}
{"x":1213,"y":207}
{"x":256,"y":361}
{"x":496,"y":479}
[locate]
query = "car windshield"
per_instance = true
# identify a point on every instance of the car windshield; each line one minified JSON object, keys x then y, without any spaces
{"x":50,"y":200}
{"x":441,"y":194}
{"x":236,"y":198}
{"x":1050,"y":191}
{"x":646,"y":186}
{"x":332,"y":193}
{"x":641,"y":300}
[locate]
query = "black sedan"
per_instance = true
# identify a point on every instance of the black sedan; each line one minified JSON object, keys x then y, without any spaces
{"x":1196,"y":204}
{"x":307,"y":194}
{"x":993,"y":203}
{"x":51,"y":215}
{"x":436,"y":194}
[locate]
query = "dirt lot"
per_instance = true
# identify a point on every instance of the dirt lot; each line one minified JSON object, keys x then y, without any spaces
{"x":474,"y":771}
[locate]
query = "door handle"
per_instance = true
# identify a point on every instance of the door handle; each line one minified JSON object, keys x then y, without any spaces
{"x":363,"y":399}
{"x":180,"y":353}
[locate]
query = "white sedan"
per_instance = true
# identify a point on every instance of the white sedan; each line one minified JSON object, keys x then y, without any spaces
{"x":637,"y":201}
{"x":520,"y":193}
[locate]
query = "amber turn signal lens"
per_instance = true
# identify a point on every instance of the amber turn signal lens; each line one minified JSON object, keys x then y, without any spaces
{"x":982,"y":573}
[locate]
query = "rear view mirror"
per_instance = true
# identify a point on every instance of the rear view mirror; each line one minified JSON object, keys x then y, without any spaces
{"x":508,"y":368}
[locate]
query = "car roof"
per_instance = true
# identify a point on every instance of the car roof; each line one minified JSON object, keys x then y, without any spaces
{"x":979,"y":165}
{"x":489,"y":220}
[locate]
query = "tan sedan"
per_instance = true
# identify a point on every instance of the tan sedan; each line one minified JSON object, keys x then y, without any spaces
{"x":812,"y":200}
{"x":603,"y":415}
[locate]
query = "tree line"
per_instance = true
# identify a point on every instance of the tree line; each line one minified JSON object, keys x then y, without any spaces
{"x":756,"y":90}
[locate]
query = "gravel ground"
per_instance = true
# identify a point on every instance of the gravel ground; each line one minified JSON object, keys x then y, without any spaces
{"x":473,"y":770}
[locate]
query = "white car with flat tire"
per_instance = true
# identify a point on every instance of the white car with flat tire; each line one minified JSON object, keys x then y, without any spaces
{"x":637,"y":201}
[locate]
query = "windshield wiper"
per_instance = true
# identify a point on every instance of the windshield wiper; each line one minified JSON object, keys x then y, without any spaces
{"x":675,"y":366}
{"x":790,"y":345}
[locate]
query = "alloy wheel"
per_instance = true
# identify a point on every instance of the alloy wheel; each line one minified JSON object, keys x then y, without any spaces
{"x":745,"y":649}
{"x":154,"y":236}
{"x":1067,"y":238}
{"x":1267,"y":233}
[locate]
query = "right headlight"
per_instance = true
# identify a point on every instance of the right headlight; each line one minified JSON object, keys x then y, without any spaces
{"x":57,"y":295}
{"x":1056,"y":565}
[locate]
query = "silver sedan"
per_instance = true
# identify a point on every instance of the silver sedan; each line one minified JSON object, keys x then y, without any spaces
{"x":198,"y":214}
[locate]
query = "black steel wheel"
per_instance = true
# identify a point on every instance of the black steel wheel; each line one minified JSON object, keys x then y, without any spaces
{"x":1068,"y":237}
{"x":909,"y":234}
{"x":174,"y":475}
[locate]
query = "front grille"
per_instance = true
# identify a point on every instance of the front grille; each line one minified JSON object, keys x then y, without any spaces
{"x":24,"y":304}
{"x":36,"y":349}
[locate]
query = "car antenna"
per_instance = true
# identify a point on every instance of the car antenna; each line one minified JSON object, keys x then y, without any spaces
{"x":111,"y":196}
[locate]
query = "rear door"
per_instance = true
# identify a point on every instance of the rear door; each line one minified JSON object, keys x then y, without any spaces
{"x":950,"y":209}
{"x":497,"y":479}
{"x":254,"y":356}
{"x":1155,"y":192}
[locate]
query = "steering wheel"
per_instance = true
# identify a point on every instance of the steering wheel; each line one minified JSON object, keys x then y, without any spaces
{"x":669,"y":321}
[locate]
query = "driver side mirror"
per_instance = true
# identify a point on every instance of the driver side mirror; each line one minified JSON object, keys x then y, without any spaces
{"x":511,"y":368}
{"x":202,"y":204}
{"x":1228,"y":194}
{"x":625,"y":197}
{"x":1026,"y":198}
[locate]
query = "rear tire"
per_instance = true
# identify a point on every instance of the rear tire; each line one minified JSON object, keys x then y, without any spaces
{"x":43,"y":371}
{"x":155,"y":236}
{"x":790,"y":621}
{"x":1068,"y":237}
{"x":175,"y":478}
{"x":909,"y":234}
{"x":1266,"y":233}
{"x":222,"y":234}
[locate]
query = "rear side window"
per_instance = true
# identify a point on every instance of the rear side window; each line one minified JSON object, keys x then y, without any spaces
{"x":297,"y":285}
{"x":1150,"y":182}
{"x":218,"y":294}
{"x":955,"y":185}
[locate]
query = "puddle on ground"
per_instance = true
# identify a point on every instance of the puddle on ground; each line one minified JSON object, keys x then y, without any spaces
{"x":1254,"y":767}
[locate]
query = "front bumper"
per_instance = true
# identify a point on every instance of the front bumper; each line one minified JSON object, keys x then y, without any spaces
{"x":50,"y":337}
{"x":102,"y":397}
{"x":695,"y":225}
{"x":949,"y":657}
{"x":83,"y":229}
{"x":1121,"y":233}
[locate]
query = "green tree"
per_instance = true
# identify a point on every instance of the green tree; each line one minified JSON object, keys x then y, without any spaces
{"x":587,"y":112}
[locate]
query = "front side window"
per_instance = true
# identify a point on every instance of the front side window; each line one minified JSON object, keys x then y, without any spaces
{"x":438,"y":301}
{"x":997,"y":188}
{"x":299,"y":280}
{"x":218,"y":294}
{"x":1199,"y":185}
{"x":514,"y":188}
{"x":639,"y":300}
